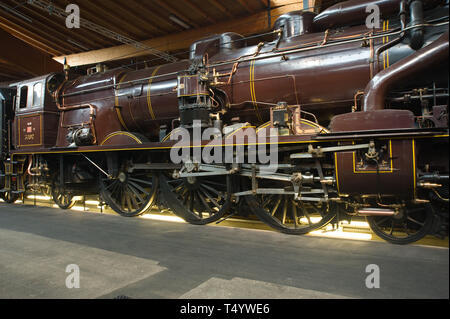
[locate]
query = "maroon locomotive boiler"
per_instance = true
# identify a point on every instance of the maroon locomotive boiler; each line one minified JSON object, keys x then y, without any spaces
{"x":360,"y":115}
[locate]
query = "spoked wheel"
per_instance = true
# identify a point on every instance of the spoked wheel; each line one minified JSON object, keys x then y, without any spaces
{"x":198,"y":200}
{"x":412,"y":223}
{"x":285,"y":214}
{"x":63,"y":198}
{"x":129,"y":194}
{"x":9,"y":197}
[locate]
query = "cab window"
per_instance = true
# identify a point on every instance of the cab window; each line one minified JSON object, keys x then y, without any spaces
{"x":37,"y":94}
{"x":23,"y":97}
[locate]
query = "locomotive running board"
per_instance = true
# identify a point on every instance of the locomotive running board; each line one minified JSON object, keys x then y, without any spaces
{"x":416,"y":133}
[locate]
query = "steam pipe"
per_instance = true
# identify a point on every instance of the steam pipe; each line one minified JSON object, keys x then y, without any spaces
{"x":375,"y":212}
{"x":376,"y":90}
{"x":352,"y":12}
{"x":390,"y":44}
{"x":30,"y":160}
{"x":416,"y":17}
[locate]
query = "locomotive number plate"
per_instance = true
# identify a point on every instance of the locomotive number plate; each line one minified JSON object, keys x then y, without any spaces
{"x":30,"y":130}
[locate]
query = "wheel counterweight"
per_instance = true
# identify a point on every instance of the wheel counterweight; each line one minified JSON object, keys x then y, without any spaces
{"x":286,"y":214}
{"x":62,"y":197}
{"x":198,"y":200}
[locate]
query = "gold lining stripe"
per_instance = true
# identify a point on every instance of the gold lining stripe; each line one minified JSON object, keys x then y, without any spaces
{"x":387,"y":40}
{"x":263,"y":126}
{"x":119,"y":114}
{"x":149,"y":94}
{"x":196,"y":94}
{"x":40,"y":129}
{"x":384,"y":42}
{"x":252,"y":89}
{"x":193,"y":146}
{"x":237,"y":130}
{"x":306,"y":122}
{"x":414,"y":165}
{"x":336,"y":169}
{"x":121,"y":133}
{"x":170,"y":134}
{"x":315,"y":125}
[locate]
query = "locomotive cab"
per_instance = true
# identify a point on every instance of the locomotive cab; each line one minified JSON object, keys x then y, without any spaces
{"x":36,"y":121}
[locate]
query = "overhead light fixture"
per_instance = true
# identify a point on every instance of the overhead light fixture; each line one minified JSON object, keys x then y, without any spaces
{"x":15,"y":12}
{"x":179,"y":21}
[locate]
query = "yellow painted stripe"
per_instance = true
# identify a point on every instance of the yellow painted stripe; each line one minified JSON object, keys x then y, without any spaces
{"x":391,"y":155}
{"x":315,"y":125}
{"x":263,"y":126}
{"x":387,"y":40}
{"x":117,"y":95}
{"x":384,"y":42}
{"x":237,"y":130}
{"x":252,"y":89}
{"x":119,"y":114}
{"x":196,"y":94}
{"x":169,"y":147}
{"x":336,"y":169}
{"x":149,"y":98}
{"x":121,"y":133}
{"x":170,"y":134}
{"x":414,"y":165}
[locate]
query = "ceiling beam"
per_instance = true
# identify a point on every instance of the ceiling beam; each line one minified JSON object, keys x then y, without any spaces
{"x":253,"y":24}
{"x":221,"y":8}
{"x":28,"y":38}
{"x":36,"y":28}
{"x":136,"y":8}
{"x":246,"y":6}
{"x":25,"y":58}
{"x":57,"y":27}
{"x":119,"y":18}
{"x":175,"y":12}
{"x":204,"y":14}
{"x":265,"y":3}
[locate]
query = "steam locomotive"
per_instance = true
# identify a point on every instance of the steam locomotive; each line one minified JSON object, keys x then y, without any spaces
{"x":357,"y":116}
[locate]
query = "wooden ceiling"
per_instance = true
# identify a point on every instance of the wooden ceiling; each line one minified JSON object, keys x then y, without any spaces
{"x":137,"y":19}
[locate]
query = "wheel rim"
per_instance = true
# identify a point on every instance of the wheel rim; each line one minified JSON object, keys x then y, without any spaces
{"x":198,"y":200}
{"x":411,"y":224}
{"x":64,"y":200}
{"x":129,"y":194}
{"x":288,"y":215}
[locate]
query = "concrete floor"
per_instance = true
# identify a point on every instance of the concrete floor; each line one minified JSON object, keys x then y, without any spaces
{"x":142,"y":258}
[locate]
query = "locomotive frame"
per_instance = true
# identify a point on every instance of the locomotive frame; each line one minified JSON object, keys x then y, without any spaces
{"x":115,"y":128}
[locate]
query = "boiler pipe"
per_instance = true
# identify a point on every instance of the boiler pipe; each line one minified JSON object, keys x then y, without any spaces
{"x":376,"y":90}
{"x":389,"y":45}
{"x":375,"y":212}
